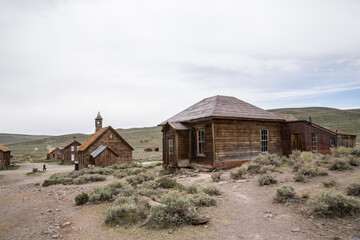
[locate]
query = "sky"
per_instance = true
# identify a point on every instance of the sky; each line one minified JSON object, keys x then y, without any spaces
{"x":140,"y":62}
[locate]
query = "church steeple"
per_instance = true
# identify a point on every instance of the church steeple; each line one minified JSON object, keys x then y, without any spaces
{"x":98,"y":122}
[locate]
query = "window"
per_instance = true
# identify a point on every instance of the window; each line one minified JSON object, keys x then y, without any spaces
{"x":314,"y":142}
{"x":171,"y":146}
{"x":77,"y":147}
{"x":200,"y":141}
{"x":332,"y":142}
{"x":72,"y":157}
{"x":72,"y":148}
{"x":264,"y":140}
{"x":53,"y":155}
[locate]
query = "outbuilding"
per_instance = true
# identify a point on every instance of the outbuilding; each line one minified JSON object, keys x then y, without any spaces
{"x":5,"y":154}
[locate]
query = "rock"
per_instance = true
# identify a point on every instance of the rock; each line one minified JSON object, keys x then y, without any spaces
{"x":197,"y":171}
{"x":55,"y":236}
{"x":171,"y":231}
{"x":296,"y":230}
{"x":198,"y":220}
{"x":268,"y":215}
{"x":267,"y":211}
{"x":319,"y":225}
{"x":57,"y":209}
{"x":241,"y":181}
{"x":65,"y":224}
{"x":241,"y":237}
{"x":49,"y":210}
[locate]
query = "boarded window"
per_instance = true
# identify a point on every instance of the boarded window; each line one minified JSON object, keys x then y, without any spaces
{"x":314,"y":142}
{"x":332,"y":142}
{"x":171,"y":146}
{"x":72,"y":157}
{"x":200,"y":141}
{"x":264,"y":140}
{"x":72,"y":148}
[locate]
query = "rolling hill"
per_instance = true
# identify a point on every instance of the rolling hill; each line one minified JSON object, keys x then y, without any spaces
{"x":24,"y":145}
{"x":8,"y":138}
{"x":345,"y":120}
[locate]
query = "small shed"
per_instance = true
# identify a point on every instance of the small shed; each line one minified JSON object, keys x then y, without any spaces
{"x":54,"y":154}
{"x":5,"y":154}
{"x":151,"y":148}
{"x":103,"y":156}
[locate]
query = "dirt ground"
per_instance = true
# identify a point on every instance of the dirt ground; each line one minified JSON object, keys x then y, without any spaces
{"x":244,"y":211}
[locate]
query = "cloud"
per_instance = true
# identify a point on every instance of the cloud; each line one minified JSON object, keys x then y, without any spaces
{"x":140,"y":62}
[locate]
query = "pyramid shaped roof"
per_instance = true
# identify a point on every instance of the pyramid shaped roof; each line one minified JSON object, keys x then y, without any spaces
{"x":222,"y":106}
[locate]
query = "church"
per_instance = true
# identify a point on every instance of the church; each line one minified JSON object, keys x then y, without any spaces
{"x":104,"y":148}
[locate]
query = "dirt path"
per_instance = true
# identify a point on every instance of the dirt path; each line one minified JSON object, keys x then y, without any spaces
{"x":244,"y":211}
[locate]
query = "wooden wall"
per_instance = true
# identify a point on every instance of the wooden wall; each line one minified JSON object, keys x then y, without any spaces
{"x":106,"y":158}
{"x":57,"y":157}
{"x":183,"y":145}
{"x":346,"y":141}
{"x":111,"y":140}
{"x":306,"y":130}
{"x":4,"y":159}
{"x":208,"y":158}
{"x":66,"y":158}
{"x":239,"y":141}
{"x":168,"y":133}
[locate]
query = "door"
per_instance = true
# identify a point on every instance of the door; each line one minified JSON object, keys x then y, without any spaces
{"x":296,"y":141}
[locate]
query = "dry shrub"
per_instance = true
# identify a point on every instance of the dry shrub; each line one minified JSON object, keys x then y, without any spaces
{"x":203,"y":200}
{"x":267,"y":179}
{"x":329,"y":183}
{"x":340,"y":164}
{"x":239,"y":172}
{"x":264,"y":163}
{"x":216,"y":176}
{"x":353,"y":189}
{"x":335,"y":205}
{"x":211,"y":190}
{"x":284,"y":194}
{"x":81,"y":199}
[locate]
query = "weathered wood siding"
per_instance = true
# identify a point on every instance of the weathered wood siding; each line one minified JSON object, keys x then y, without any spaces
{"x":168,"y":133}
{"x":111,"y":140}
{"x":4,"y":159}
{"x":106,"y":158}
{"x":346,"y":141}
{"x":55,"y":155}
{"x":67,"y":153}
{"x":183,"y":145}
{"x":237,"y":141}
{"x":306,"y":130}
{"x":207,"y":158}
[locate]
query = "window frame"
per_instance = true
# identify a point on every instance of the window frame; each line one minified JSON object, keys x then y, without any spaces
{"x":200,"y":143}
{"x":314,"y":142}
{"x":264,"y":142}
{"x":72,"y":148}
{"x":332,"y":142}
{"x":72,"y":157}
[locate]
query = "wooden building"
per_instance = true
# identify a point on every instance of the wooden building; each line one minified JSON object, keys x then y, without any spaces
{"x":54,"y":154}
{"x":223,"y":132}
{"x":5,"y":154}
{"x":105,"y":147}
{"x":69,"y":154}
{"x":219,"y":132}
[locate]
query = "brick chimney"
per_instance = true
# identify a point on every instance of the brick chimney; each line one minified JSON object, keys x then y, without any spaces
{"x":74,"y":139}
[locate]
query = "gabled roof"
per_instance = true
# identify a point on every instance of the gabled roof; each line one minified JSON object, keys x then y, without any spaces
{"x":222,"y":106}
{"x":329,"y":130}
{"x":179,"y":126}
{"x":53,"y":149}
{"x":100,"y":149}
{"x":97,"y":135}
{"x":4,"y":149}
{"x":72,"y":143}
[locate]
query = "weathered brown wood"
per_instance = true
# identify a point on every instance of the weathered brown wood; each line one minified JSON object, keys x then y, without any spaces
{"x":69,"y":150}
{"x":5,"y":154}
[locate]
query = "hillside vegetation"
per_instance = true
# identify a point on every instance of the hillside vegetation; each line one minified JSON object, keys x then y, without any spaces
{"x":8,"y":138}
{"x":345,"y":120}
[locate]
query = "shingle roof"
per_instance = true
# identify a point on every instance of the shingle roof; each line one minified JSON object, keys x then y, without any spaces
{"x":97,"y":135}
{"x":92,"y":139}
{"x":179,"y":126}
{"x":53,"y":149}
{"x":4,"y":149}
{"x":222,"y":106}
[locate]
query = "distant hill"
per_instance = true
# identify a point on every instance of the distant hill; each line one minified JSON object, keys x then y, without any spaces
{"x":345,"y":120}
{"x":133,"y":136}
{"x":8,"y":138}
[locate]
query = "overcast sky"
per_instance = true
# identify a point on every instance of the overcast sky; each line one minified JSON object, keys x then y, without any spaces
{"x":141,"y":62}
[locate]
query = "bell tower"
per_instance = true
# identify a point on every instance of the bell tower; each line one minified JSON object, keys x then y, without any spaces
{"x":98,"y":122}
